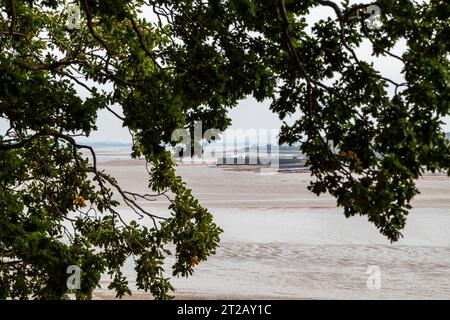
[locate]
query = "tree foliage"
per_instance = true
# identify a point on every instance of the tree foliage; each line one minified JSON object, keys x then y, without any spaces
{"x":368,"y":138}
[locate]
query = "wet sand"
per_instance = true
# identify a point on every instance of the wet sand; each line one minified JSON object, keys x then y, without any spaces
{"x":280,"y":241}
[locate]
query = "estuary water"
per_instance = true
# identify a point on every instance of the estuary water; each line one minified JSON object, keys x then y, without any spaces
{"x":319,"y":254}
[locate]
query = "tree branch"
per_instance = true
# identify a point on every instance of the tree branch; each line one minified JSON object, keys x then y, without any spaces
{"x":48,"y":67}
{"x":341,"y":20}
{"x":91,"y":28}
{"x":141,"y":42}
{"x":12,"y":27}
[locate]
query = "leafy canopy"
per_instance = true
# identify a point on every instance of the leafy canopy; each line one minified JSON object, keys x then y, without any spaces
{"x":368,"y":138}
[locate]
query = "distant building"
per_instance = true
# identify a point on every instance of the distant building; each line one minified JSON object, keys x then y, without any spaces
{"x":290,"y":163}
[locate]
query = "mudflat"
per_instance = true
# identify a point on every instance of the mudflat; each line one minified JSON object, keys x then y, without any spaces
{"x":280,"y":241}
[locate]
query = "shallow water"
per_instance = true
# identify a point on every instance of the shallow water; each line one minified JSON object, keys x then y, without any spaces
{"x":319,"y":254}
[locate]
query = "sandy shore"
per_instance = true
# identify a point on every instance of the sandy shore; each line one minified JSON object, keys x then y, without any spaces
{"x":224,"y":187}
{"x":281,"y":241}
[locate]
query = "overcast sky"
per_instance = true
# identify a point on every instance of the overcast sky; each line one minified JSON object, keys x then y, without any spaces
{"x":250,"y":114}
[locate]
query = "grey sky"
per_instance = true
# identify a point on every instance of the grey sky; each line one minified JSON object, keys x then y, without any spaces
{"x":250,"y":114}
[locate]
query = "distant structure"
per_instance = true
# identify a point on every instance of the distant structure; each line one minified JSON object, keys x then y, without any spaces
{"x":284,"y":157}
{"x":257,"y":161}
